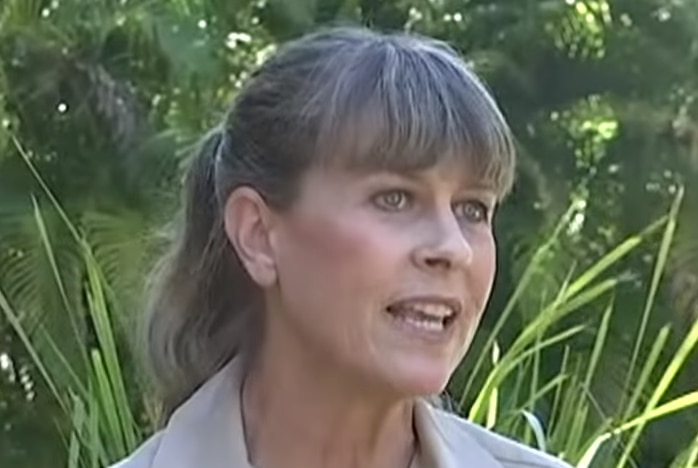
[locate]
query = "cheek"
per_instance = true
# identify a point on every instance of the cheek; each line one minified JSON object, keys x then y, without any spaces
{"x":334,"y":260}
{"x":482,"y":275}
{"x":334,"y":241}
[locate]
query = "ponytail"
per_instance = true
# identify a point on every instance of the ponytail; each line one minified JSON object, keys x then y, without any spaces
{"x":200,"y":314}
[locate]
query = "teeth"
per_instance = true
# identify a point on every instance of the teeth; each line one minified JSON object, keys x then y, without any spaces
{"x":424,"y":324}
{"x":427,"y":316}
{"x":439,"y":311}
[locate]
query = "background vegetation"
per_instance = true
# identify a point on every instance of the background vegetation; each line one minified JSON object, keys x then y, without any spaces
{"x":588,"y":348}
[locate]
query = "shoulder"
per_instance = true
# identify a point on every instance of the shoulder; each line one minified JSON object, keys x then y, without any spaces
{"x":508,"y":452}
{"x":143,"y":456}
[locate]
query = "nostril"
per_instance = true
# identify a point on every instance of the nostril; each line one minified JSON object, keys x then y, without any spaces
{"x":434,"y":262}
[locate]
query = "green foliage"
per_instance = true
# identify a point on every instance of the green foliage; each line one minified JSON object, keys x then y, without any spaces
{"x":577,"y":426}
{"x":90,"y":387}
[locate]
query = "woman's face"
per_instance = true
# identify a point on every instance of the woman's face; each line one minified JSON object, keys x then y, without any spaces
{"x":385,"y":276}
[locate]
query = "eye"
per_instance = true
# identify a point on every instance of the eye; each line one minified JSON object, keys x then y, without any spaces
{"x":393,"y":200}
{"x":472,"y":211}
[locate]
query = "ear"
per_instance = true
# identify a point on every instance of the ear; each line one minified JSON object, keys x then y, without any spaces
{"x":247,"y":225}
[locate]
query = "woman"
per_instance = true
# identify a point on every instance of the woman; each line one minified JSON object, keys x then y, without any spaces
{"x":335,"y":259}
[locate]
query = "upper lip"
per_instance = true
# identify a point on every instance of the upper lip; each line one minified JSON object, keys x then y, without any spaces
{"x":452,"y":303}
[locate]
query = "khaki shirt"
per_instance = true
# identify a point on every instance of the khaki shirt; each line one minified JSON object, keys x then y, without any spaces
{"x":206,"y":432}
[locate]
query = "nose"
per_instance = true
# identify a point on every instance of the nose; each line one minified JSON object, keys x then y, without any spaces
{"x":445,"y":248}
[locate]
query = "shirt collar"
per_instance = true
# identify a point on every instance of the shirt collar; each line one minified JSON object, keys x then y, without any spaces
{"x":207,"y":430}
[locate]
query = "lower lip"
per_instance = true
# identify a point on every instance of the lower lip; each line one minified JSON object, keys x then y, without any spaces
{"x":423,"y":330}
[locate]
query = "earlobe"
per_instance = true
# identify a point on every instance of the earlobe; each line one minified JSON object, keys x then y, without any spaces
{"x":246,"y":221}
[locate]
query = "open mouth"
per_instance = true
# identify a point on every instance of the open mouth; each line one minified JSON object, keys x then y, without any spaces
{"x":429,"y":316}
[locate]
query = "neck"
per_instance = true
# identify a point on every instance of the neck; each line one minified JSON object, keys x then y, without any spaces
{"x":298,"y":412}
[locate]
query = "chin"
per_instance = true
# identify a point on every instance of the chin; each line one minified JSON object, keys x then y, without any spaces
{"x":420,"y":377}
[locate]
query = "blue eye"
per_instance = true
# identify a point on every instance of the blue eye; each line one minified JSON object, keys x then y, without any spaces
{"x":392,"y":200}
{"x":472,"y":211}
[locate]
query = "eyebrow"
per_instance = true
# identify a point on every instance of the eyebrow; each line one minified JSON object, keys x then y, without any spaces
{"x":419,"y":176}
